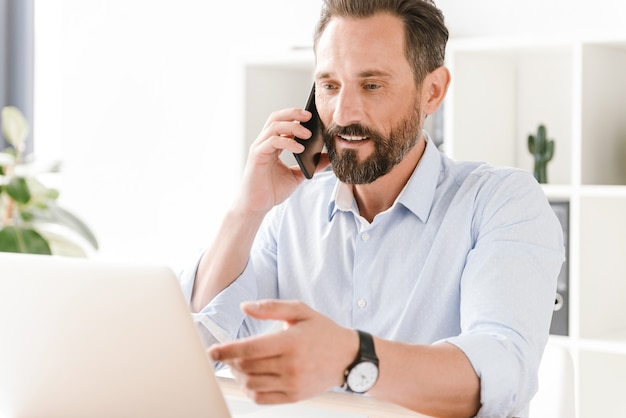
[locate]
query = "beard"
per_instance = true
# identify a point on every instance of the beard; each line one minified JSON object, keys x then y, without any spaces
{"x":388,"y":150}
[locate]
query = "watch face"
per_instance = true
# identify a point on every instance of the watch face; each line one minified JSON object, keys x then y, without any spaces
{"x":362,"y":377}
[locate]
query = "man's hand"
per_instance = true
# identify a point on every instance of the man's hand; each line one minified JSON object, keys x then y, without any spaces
{"x":304,"y":360}
{"x":267,"y":181}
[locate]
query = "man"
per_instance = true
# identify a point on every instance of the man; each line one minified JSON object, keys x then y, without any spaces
{"x":447,"y":270}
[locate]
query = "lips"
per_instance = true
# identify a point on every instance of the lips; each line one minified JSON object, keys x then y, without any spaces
{"x":349,"y":136}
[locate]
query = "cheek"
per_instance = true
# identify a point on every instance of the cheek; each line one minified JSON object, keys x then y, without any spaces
{"x":324,"y":109}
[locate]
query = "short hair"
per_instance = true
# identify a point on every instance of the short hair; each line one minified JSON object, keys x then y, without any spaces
{"x":425,"y":32}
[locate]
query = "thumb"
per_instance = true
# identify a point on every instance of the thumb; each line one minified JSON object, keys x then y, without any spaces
{"x":280,"y":310}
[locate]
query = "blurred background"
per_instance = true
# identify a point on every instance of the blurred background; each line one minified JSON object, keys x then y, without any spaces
{"x":143,"y":100}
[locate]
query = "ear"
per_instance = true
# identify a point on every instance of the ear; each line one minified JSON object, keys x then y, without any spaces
{"x":434,"y":89}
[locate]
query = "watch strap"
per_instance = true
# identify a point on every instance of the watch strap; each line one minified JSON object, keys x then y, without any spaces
{"x":366,"y":348}
{"x":367,"y":353}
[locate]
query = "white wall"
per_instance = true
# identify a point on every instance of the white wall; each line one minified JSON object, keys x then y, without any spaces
{"x":534,"y":17}
{"x":142,"y":101}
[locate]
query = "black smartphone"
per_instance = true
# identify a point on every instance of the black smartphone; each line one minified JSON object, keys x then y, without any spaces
{"x":308,"y":159}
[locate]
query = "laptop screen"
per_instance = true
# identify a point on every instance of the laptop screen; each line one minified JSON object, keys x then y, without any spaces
{"x":95,"y":338}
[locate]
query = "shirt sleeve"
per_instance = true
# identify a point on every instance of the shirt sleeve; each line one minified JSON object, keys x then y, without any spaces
{"x":507,"y":291}
{"x":222,"y":319}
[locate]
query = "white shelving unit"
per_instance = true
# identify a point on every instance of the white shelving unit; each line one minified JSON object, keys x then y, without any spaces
{"x":501,"y":91}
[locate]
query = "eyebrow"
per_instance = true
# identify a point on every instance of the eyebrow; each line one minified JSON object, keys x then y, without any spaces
{"x":362,"y":74}
{"x":373,"y":73}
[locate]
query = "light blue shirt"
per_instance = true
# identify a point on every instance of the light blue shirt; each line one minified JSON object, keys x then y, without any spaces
{"x":468,"y":254}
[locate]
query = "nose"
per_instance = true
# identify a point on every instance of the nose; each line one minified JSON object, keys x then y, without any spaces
{"x":348,"y":107}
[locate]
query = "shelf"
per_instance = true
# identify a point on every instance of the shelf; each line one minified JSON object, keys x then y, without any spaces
{"x":501,"y":91}
{"x":613,"y":342}
{"x":510,"y":93}
{"x":601,"y":384}
{"x":557,"y":192}
{"x":561,"y":192}
{"x":602,"y":264}
{"x":602,"y":120}
{"x":603,"y":191}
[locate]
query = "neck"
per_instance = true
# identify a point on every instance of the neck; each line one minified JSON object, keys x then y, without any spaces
{"x":379,"y":195}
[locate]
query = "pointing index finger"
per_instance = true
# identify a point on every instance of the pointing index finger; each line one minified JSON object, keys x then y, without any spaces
{"x":259,"y":347}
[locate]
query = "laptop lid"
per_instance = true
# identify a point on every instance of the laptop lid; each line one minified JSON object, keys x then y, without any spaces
{"x":88,"y":338}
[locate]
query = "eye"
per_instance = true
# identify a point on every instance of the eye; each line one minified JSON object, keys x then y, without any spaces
{"x":371,"y":86}
{"x":328,"y":86}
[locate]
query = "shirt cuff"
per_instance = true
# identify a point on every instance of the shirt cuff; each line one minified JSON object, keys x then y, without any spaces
{"x":499,"y":380}
{"x":221,"y":319}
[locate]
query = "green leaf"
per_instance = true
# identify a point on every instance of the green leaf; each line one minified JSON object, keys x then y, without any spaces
{"x":14,"y":239}
{"x":14,"y":126}
{"x":18,"y":190}
{"x":40,"y":194}
{"x":63,"y":243}
{"x":26,"y":215}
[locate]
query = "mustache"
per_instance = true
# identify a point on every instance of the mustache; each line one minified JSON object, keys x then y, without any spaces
{"x":355,"y":129}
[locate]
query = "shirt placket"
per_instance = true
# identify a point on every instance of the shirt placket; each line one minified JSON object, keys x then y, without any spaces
{"x":362,"y":297}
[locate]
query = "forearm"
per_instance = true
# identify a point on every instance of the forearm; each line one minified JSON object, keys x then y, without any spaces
{"x":227,"y":257}
{"x":436,"y":380}
{"x":281,"y":367}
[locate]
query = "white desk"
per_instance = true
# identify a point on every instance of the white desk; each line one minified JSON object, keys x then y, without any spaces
{"x":339,"y":402}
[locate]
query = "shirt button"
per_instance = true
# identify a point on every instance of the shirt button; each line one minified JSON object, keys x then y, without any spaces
{"x":365,"y":236}
{"x":361,"y":303}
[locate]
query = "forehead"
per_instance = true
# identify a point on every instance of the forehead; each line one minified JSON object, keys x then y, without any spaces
{"x":354,"y":45}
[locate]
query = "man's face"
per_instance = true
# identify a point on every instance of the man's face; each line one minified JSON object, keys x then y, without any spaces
{"x":366,"y":96}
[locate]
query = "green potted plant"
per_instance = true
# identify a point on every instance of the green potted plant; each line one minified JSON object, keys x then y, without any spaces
{"x":31,"y":221}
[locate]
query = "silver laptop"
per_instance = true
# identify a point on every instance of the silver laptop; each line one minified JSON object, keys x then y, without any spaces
{"x":88,"y":338}
{"x":85,"y":338}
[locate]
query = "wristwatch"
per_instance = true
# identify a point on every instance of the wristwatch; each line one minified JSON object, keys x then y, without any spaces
{"x":362,"y":374}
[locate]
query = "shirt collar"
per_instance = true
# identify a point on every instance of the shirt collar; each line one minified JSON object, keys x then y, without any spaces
{"x":417,"y":195}
{"x":342,"y":199}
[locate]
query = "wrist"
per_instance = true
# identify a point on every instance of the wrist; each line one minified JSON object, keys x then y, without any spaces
{"x":362,"y":374}
{"x":243,"y":211}
{"x":349,"y":352}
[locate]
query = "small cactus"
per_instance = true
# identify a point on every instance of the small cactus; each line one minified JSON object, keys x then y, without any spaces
{"x":542,"y":149}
